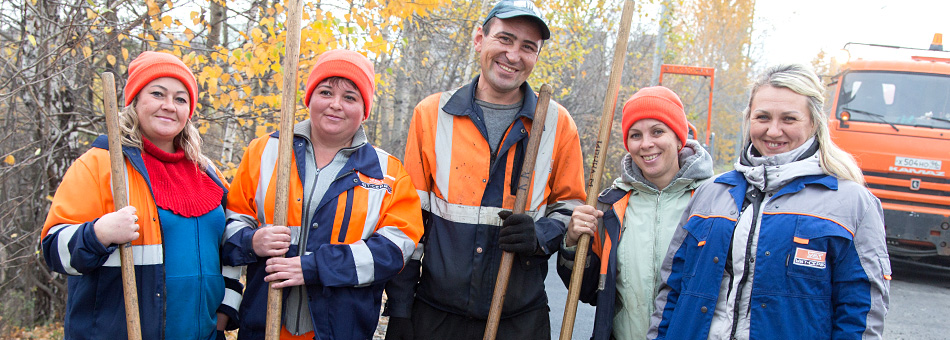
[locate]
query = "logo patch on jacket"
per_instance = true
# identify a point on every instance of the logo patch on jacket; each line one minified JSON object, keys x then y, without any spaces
{"x":809,"y":258}
{"x":370,"y":183}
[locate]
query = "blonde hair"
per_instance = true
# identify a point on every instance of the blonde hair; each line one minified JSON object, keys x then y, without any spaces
{"x":804,"y":81}
{"x":188,"y":140}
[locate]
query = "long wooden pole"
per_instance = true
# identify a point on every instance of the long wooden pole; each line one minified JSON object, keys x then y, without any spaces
{"x":521,"y":201}
{"x":288,"y":106}
{"x":120,"y":199}
{"x":597,"y":167}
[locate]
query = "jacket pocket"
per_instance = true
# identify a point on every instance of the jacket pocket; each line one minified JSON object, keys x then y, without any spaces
{"x":697,"y":255}
{"x":698,"y":228}
{"x":814,"y":247}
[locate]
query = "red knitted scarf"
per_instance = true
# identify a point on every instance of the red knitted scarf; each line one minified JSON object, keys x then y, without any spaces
{"x":178,"y":184}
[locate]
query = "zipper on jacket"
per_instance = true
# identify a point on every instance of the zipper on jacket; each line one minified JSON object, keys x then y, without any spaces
{"x":304,"y":233}
{"x":656,"y":232}
{"x":347,"y":211}
{"x":161,"y":230}
{"x":755,"y":198}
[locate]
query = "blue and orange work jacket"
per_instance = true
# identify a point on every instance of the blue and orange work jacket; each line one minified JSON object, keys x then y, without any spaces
{"x":95,"y":307}
{"x":361,"y":234}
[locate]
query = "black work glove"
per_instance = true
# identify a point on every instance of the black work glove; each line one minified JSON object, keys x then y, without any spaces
{"x":517,"y":233}
{"x":220,"y":335}
{"x":399,"y":329}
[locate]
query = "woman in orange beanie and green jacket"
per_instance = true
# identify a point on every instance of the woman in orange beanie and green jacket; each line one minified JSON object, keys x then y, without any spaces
{"x":354,"y":217}
{"x":175,"y":220}
{"x":635,"y":218}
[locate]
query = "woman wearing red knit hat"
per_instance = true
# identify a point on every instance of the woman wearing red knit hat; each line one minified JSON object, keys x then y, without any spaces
{"x":175,"y":220}
{"x":354,"y":217}
{"x":635,"y":218}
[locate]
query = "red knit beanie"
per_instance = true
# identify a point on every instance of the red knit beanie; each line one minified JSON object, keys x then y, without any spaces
{"x":655,"y":102}
{"x":346,"y":64}
{"x":150,"y":65}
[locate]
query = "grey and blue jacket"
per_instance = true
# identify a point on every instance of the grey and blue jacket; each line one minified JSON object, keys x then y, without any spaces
{"x":806,"y":259}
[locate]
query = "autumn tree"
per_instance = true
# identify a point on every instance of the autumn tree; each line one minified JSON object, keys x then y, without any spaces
{"x":717,"y":34}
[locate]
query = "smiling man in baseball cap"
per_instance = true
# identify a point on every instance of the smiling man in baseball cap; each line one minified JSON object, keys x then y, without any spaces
{"x":464,"y":152}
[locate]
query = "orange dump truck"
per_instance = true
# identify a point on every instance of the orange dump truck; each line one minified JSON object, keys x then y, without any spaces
{"x":894,"y":117}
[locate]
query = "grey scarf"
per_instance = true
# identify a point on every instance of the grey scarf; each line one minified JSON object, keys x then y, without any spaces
{"x":770,"y":173}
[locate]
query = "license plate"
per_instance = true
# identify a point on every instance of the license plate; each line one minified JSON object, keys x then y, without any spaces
{"x":917,"y":163}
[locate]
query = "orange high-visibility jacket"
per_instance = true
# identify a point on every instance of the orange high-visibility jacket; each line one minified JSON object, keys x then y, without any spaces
{"x":463,"y":186}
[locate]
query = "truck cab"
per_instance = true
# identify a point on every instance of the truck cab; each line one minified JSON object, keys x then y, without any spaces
{"x":894,"y":118}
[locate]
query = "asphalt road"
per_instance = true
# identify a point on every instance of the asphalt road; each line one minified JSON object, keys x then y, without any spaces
{"x":919,"y":304}
{"x":557,"y":297}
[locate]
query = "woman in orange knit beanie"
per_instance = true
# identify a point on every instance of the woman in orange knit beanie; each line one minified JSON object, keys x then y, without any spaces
{"x":175,"y":220}
{"x":354,"y":217}
{"x":635,"y":218}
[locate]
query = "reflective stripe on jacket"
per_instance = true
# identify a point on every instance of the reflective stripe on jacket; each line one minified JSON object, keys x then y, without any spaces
{"x":463,"y":186}
{"x":821,"y":265}
{"x":364,"y":229}
{"x":95,"y":307}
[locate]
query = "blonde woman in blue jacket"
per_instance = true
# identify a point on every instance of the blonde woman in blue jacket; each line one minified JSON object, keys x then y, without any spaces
{"x":636,"y":217}
{"x":790,"y":245}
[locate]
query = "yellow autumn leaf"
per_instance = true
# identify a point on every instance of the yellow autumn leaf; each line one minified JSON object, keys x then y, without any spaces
{"x":212,"y":86}
{"x":9,"y":160}
{"x":152,"y":8}
{"x":111,"y":59}
{"x":261,"y":130}
{"x":224,"y":100}
{"x":31,"y":39}
{"x":256,"y":35}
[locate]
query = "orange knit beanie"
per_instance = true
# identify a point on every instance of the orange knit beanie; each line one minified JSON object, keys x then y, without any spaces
{"x":345,"y":64}
{"x":150,"y":65}
{"x":655,"y":102}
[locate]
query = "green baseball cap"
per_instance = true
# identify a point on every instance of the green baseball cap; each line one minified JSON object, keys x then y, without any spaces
{"x":519,"y":8}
